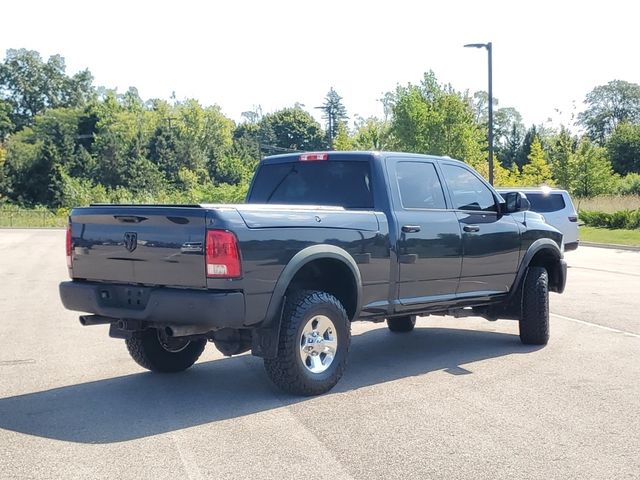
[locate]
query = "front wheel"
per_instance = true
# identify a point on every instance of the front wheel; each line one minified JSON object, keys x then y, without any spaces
{"x":402,"y":324}
{"x":153,"y":350}
{"x":534,"y":316}
{"x":314,"y":341}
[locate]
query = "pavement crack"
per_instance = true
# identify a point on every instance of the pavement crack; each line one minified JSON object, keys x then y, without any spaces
{"x":10,"y":363}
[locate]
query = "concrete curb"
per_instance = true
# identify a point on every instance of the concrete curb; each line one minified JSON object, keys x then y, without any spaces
{"x":33,"y":228}
{"x":611,"y":246}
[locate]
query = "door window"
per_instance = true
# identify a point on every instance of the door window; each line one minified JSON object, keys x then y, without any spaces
{"x":419,"y":186}
{"x":468,"y":192}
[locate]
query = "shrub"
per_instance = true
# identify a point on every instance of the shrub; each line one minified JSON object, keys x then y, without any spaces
{"x":630,"y":184}
{"x":622,"y":219}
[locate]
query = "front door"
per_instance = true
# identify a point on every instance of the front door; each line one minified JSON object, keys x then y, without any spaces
{"x":490,"y":240}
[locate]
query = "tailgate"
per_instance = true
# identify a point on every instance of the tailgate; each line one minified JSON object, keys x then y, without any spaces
{"x":160,"y":245}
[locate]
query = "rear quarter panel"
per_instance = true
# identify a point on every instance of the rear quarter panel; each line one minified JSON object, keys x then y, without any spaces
{"x":265,"y":251}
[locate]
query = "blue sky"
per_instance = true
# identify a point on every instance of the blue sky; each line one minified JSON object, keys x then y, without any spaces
{"x":547,"y":54}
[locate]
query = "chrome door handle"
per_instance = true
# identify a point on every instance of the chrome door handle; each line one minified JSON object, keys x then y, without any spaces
{"x":411,"y":228}
{"x":471,"y":228}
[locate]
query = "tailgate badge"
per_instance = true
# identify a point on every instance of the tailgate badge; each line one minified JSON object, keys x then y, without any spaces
{"x":130,"y":241}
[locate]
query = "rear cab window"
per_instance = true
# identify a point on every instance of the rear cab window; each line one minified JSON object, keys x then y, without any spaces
{"x":331,"y":182}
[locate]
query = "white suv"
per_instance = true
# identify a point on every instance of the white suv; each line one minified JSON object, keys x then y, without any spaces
{"x":556,"y":207}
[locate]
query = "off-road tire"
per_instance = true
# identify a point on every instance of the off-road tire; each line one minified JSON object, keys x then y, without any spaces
{"x":287,"y":370}
{"x":145,"y":348}
{"x":534,"y":316}
{"x":402,"y":324}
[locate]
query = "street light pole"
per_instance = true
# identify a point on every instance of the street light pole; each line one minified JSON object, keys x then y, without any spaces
{"x":490,"y":114}
{"x":488,"y":46}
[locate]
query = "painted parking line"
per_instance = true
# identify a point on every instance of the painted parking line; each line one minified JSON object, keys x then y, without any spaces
{"x":562,"y":317}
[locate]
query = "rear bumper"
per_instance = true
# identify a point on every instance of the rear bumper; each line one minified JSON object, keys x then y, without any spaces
{"x":156,"y":305}
{"x":571,"y":246}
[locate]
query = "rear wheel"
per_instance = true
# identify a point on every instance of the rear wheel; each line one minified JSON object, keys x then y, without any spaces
{"x":154,"y":350}
{"x":401,"y":324}
{"x":534,"y":317}
{"x":313,"y":345}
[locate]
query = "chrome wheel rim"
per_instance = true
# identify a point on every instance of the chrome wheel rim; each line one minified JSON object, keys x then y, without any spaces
{"x":318,"y":344}
{"x":171,"y":344}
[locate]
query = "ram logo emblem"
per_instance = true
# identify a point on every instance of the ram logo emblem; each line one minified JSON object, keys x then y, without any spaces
{"x":130,"y":241}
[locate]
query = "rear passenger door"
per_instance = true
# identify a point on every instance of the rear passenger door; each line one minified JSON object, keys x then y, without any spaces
{"x":428,"y":242}
{"x":490,"y":240}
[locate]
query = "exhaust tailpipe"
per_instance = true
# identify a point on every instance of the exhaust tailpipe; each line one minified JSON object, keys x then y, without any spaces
{"x":185,"y":330}
{"x":87,"y":320}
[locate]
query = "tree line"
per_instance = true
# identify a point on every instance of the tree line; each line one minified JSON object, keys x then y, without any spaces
{"x":65,"y":142}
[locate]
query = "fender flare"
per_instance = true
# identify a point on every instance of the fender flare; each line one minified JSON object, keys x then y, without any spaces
{"x":299,"y":260}
{"x":534,"y":248}
{"x":265,"y":337}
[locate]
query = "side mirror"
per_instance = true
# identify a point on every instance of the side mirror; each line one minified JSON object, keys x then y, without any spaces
{"x":516,"y":202}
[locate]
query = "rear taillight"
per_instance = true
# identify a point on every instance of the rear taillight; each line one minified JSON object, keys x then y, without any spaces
{"x":311,"y":157}
{"x":573,"y":218}
{"x":69,"y":247}
{"x":223,"y":256}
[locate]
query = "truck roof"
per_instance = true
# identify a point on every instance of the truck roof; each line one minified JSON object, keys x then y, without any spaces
{"x":347,"y":155}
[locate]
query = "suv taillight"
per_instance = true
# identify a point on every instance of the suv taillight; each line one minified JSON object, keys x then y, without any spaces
{"x":69,"y":247}
{"x":223,"y":256}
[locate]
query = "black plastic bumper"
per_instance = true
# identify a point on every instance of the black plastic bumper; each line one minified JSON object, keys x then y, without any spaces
{"x":571,"y":246}
{"x":156,"y":305}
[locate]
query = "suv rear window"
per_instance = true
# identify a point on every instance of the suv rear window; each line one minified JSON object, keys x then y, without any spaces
{"x":340,"y":183}
{"x":551,"y":202}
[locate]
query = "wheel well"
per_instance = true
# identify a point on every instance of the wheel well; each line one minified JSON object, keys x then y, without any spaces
{"x":331,"y":276}
{"x":549,"y":260}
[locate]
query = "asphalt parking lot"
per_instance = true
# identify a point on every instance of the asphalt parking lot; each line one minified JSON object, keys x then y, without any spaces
{"x":456,"y":398}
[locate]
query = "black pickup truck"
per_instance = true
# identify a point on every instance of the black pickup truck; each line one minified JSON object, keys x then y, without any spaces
{"x":324,"y":239}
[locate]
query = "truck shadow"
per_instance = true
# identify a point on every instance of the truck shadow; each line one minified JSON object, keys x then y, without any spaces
{"x":145,"y":404}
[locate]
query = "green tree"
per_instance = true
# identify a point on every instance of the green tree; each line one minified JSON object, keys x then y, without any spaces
{"x":23,"y":167}
{"x":335,"y":114}
{"x":247,"y":140}
{"x":508,"y":129}
{"x":117,"y":142}
{"x":607,"y":106}
{"x":629,"y":184}
{"x":254,"y":115}
{"x":523,"y":152}
{"x":6,"y":124}
{"x":593,"y":173}
{"x":205,"y":135}
{"x":563,"y":158}
{"x":372,"y":134}
{"x":343,"y":140}
{"x":436,"y":119}
{"x":537,"y":172}
{"x":31,"y":85}
{"x":292,"y":129}
{"x":36,"y":154}
{"x":624,"y":148}
{"x":508,"y":135}
{"x":480,"y":105}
